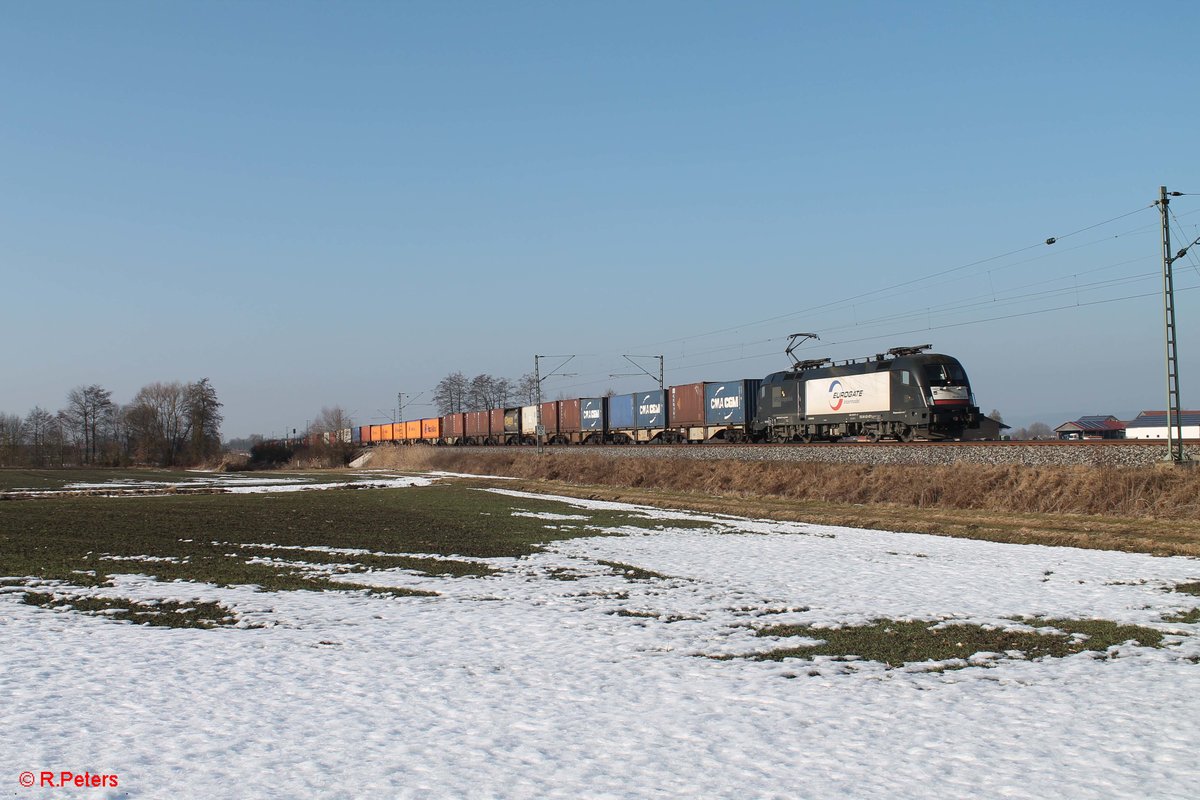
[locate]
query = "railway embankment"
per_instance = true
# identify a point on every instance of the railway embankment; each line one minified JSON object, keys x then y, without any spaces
{"x":1049,"y":454}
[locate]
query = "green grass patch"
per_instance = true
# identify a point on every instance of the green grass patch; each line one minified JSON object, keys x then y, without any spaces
{"x":896,"y":643}
{"x":630,"y":572}
{"x":1188,"y":588}
{"x":214,"y":538}
{"x":1186,"y":617}
{"x":161,"y":613}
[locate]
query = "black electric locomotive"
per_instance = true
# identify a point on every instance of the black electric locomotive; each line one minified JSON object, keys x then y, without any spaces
{"x":902,"y":394}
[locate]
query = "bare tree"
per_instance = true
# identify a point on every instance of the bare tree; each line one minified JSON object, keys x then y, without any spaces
{"x":331,"y":420}
{"x":87,"y":407}
{"x":12,"y":436}
{"x":450,"y":395}
{"x":526,"y":390}
{"x":1040,"y":430}
{"x":40,"y":430}
{"x":160,"y":422}
{"x":487,"y":391}
{"x":204,"y":419}
{"x":995,"y":414}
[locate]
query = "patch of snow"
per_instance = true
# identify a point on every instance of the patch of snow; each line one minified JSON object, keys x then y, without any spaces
{"x":523,"y":685}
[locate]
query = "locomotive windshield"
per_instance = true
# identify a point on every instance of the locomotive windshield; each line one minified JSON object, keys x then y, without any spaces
{"x":945,"y":375}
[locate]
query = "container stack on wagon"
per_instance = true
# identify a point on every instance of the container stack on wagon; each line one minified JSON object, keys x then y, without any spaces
{"x":902,"y":394}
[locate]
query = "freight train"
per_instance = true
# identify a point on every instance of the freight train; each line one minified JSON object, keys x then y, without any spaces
{"x":903,"y":394}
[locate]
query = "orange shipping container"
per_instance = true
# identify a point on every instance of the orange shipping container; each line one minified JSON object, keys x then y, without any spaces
{"x":412,"y":429}
{"x":431,"y":428}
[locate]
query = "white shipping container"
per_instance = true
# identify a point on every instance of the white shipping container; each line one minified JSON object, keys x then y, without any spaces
{"x":849,"y":394}
{"x":528,"y":420}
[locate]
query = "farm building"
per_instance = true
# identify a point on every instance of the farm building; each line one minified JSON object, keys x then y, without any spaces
{"x":989,"y":430}
{"x":1092,"y":427}
{"x":1153,"y":425}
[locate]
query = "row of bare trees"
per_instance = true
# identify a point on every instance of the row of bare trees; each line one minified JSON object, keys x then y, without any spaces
{"x":456,"y":392}
{"x":166,"y":424}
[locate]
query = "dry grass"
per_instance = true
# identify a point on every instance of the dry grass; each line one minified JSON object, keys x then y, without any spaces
{"x":1133,"y":509}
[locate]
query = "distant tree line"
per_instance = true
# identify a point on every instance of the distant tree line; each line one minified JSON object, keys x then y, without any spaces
{"x":1036,"y":431}
{"x":456,"y":392}
{"x":166,"y":424}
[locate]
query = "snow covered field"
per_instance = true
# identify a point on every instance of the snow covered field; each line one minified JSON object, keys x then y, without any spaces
{"x":559,"y":677}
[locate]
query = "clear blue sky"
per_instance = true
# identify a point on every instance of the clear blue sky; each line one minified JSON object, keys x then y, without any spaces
{"x":319,"y":204}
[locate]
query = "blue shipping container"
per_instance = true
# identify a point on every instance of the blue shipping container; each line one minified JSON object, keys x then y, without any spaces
{"x":356,"y":435}
{"x":731,"y":402}
{"x":620,"y":412}
{"x":591,"y":413}
{"x":652,"y":409}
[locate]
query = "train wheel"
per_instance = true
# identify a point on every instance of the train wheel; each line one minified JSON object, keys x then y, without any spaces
{"x":905,"y":433}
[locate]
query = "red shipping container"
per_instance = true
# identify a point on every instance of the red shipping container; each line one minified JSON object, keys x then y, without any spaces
{"x":454,"y":426}
{"x":568,"y":416}
{"x":496,"y":421}
{"x":550,"y":417}
{"x":477,"y":424}
{"x":687,"y":404}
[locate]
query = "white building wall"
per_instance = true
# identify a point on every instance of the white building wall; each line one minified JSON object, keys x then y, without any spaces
{"x":1189,"y":432}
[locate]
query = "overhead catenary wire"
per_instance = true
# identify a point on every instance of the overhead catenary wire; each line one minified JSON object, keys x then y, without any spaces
{"x":908,"y":331}
{"x":902,"y":284}
{"x":687,"y":359}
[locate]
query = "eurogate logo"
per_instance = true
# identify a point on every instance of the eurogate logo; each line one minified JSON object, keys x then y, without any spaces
{"x":838,"y":395}
{"x":835,"y":395}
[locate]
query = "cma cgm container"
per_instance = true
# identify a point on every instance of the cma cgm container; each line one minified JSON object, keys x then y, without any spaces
{"x":731,"y":403}
{"x":593,"y":418}
{"x":431,"y":429}
{"x":719,"y":410}
{"x":650,"y":414}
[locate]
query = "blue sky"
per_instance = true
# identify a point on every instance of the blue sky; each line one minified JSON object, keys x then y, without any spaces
{"x":319,"y":204}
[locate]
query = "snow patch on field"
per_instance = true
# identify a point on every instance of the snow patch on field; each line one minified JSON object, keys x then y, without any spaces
{"x":523,"y":684}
